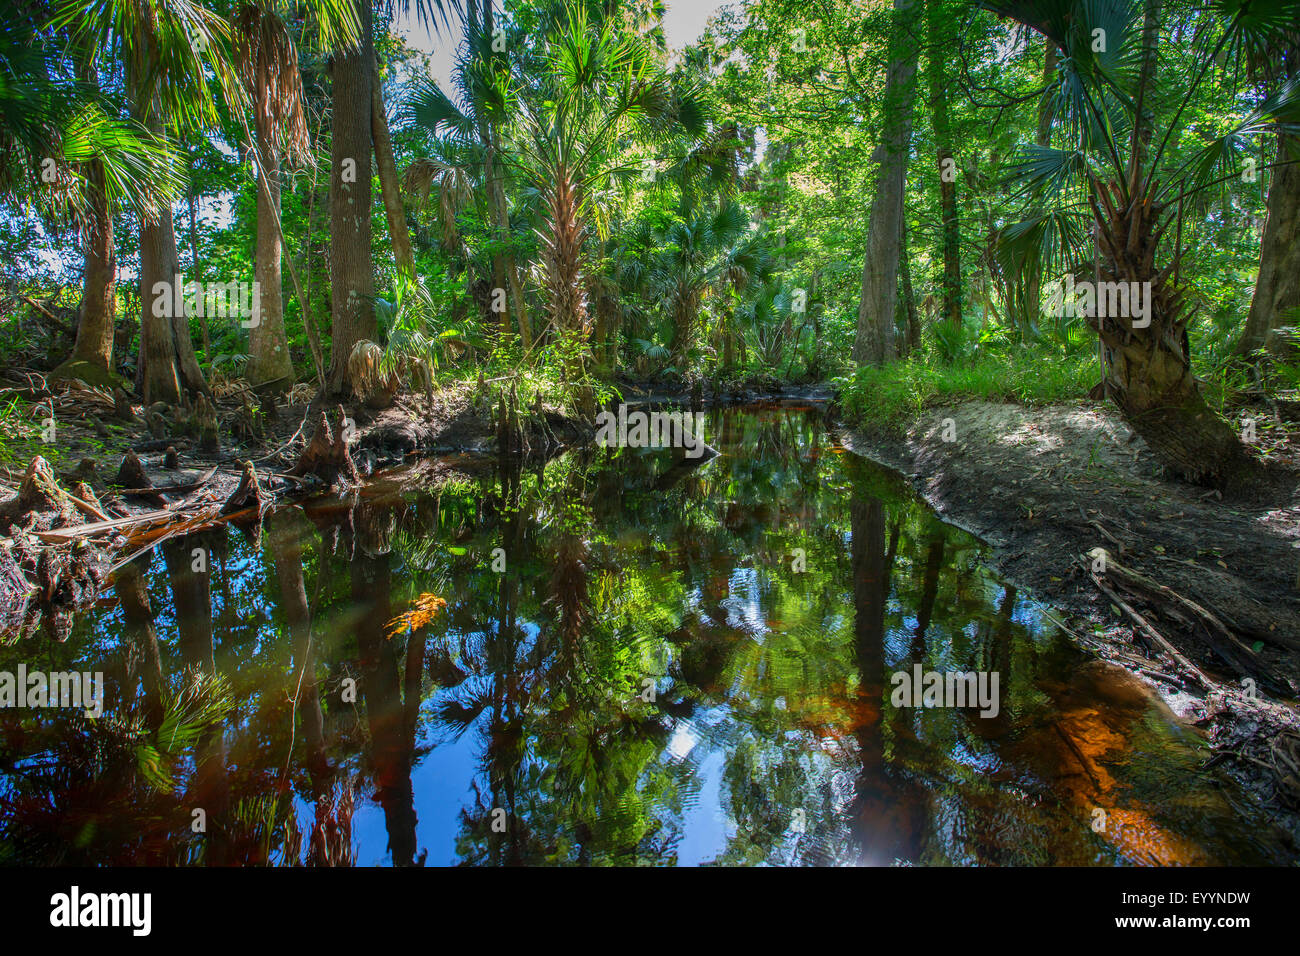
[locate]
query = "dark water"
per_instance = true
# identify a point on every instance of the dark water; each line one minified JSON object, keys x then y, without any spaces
{"x":678,"y":665}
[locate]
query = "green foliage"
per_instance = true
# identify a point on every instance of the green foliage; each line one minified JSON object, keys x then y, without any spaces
{"x":893,"y":396}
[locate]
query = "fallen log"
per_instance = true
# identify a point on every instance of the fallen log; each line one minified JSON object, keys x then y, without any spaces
{"x":158,"y":490}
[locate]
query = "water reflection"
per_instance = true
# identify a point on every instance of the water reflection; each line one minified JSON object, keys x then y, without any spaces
{"x":619,"y":657}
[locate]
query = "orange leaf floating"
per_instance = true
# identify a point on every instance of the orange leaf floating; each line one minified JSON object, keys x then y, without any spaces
{"x":423,"y":610}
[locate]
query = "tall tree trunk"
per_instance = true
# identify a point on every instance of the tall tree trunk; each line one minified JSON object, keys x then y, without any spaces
{"x":1277,"y":290}
{"x":912,"y":341}
{"x":98,"y":291}
{"x":1030,"y":307}
{"x":269,"y":359}
{"x":169,"y":369}
{"x":351,"y":269}
{"x":874,"y":343}
{"x":394,"y":209}
{"x":941,"y":28}
{"x":194,"y":263}
{"x":505,"y":268}
{"x":94,"y":343}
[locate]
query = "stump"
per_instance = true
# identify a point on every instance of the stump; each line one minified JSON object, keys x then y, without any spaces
{"x":204,"y":422}
{"x":326,"y":455}
{"x":131,"y":474}
{"x":247,"y":425}
{"x":38,"y":495}
{"x":248,"y":494}
{"x":122,"y":406}
{"x":157,"y":425}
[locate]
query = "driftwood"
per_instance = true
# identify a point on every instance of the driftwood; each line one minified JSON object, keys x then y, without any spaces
{"x":1190,"y":669}
{"x":326,"y":455}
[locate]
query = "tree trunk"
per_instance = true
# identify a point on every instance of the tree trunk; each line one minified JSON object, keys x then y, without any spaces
{"x":351,"y":270}
{"x":269,"y":360}
{"x":1147,"y":370}
{"x":505,"y":268}
{"x":940,"y":25}
{"x":1030,"y":307}
{"x":1277,"y":290}
{"x":912,"y":341}
{"x":169,"y":368}
{"x":98,"y":297}
{"x":194,"y":264}
{"x":562,"y":256}
{"x":403,"y":255}
{"x":874,"y":343}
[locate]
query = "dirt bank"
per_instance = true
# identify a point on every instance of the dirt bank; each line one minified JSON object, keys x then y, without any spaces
{"x":1047,"y":485}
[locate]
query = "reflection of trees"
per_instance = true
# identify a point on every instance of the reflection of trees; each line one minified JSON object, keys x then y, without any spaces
{"x":105,"y":791}
{"x":884,"y":823}
{"x":285,"y":531}
{"x":390,"y":721}
{"x":775,"y":682}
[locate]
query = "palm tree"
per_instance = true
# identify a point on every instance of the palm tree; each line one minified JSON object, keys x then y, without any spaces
{"x":1134,"y":196}
{"x":268,"y":66}
{"x":357,"y":114}
{"x":167,"y":47}
{"x":63,"y":128}
{"x":707,"y":254}
{"x":468,"y":154}
{"x":597,"y":87}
